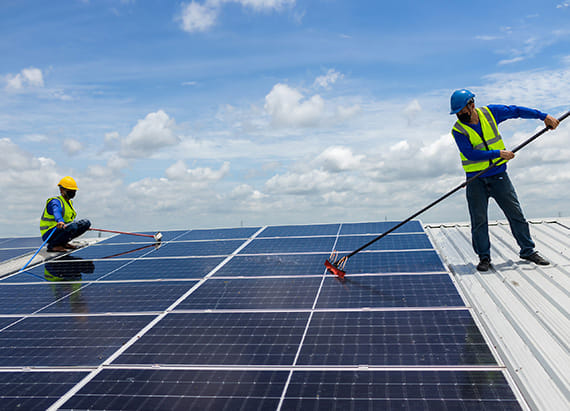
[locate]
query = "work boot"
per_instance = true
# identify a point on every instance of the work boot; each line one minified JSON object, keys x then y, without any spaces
{"x":484,"y":264}
{"x":537,"y":259}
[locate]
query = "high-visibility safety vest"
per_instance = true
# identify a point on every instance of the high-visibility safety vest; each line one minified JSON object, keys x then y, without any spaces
{"x":491,"y":140}
{"x":47,"y":221}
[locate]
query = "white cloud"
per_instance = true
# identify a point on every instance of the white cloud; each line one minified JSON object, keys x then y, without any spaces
{"x":200,"y":17}
{"x":72,"y":146}
{"x":201,"y":175}
{"x":338,"y":158}
{"x":29,"y":77}
{"x":326,"y":80}
{"x":288,"y":107}
{"x":563,"y":5}
{"x":197,"y":17}
{"x":510,"y":61}
{"x":153,"y":133}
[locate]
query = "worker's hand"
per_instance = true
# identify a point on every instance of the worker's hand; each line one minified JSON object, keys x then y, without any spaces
{"x":507,"y":155}
{"x":551,"y":122}
{"x":60,"y":225}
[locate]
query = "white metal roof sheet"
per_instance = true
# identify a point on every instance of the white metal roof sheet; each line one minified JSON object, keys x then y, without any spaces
{"x":523,"y":307}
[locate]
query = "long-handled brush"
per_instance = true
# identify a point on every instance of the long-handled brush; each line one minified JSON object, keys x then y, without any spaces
{"x":157,"y":237}
{"x":336,"y":264}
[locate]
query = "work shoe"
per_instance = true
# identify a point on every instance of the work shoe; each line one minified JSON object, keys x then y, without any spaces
{"x":484,"y":264}
{"x":537,"y":259}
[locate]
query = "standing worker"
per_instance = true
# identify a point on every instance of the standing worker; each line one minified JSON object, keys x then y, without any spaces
{"x":477,"y":137}
{"x":59,"y":215}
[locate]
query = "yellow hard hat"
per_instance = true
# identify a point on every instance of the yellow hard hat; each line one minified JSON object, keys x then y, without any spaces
{"x":68,"y":183}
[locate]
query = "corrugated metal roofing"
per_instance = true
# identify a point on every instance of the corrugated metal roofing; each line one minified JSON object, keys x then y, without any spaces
{"x":524,"y":308}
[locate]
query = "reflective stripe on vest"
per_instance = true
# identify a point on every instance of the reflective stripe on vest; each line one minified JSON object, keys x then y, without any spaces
{"x":47,"y":220}
{"x":491,"y":139}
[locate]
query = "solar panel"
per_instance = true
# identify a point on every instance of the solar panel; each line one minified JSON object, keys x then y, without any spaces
{"x":246,"y":318}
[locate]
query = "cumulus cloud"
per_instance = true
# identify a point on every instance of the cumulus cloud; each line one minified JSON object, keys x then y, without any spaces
{"x":201,"y":175}
{"x":288,"y":107}
{"x":337,"y":158}
{"x":154,"y":132}
{"x":29,"y":77}
{"x":200,"y":17}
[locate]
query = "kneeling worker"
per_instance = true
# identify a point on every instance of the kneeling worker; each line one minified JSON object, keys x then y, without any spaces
{"x":59,"y":215}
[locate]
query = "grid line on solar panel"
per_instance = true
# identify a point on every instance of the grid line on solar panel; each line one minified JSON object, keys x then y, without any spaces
{"x":423,"y":290}
{"x":67,"y":341}
{"x":180,"y":389}
{"x":67,"y":268}
{"x":11,"y":253}
{"x":115,"y":297}
{"x":399,"y":390}
{"x":380,"y":227}
{"x":254,"y":293}
{"x":219,"y":234}
{"x":366,"y":262}
{"x":393,"y":242}
{"x":438,"y":337}
{"x":300,"y":230}
{"x":223,"y":339}
{"x":35,"y":390}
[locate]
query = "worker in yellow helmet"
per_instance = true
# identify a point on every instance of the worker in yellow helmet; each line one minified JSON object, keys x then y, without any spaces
{"x":59,"y":215}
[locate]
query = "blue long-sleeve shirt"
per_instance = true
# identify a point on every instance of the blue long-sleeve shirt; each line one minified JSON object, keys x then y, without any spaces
{"x":501,"y":113}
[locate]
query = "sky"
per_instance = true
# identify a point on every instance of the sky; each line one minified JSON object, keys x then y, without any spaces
{"x":229,"y":113}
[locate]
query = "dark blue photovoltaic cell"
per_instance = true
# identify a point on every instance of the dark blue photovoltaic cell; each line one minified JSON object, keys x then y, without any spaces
{"x":67,"y":341}
{"x":67,"y":268}
{"x":10,"y":253}
{"x":420,"y":338}
{"x":103,"y":251}
{"x":28,"y":390}
{"x":180,"y":390}
{"x":166,"y":268}
{"x":390,"y":242}
{"x":380,"y":227}
{"x":301,"y":264}
{"x":116,"y":297}
{"x":21,"y":242}
{"x":254,"y":293}
{"x":197,"y":248}
{"x":424,"y":290}
{"x":290,"y":245}
{"x":4,"y":322}
{"x":299,"y":230}
{"x":399,"y":390}
{"x":219,"y":234}
{"x":28,"y":298}
{"x":394,"y":262}
{"x":126,"y":238}
{"x":220,"y":338}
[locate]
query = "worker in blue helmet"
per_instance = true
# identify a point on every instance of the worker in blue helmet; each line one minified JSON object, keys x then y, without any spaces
{"x":477,"y":136}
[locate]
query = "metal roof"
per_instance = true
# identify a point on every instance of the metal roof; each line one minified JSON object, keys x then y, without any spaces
{"x":523,"y":308}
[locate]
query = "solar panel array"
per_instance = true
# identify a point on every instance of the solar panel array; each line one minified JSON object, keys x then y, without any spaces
{"x":11,"y":248}
{"x":246,"y":318}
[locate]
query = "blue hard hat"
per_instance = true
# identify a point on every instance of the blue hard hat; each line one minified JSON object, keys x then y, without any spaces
{"x":459,"y":99}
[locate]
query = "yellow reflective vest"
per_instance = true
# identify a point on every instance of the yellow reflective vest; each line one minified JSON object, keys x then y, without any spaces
{"x":47,"y":221}
{"x":491,"y":140}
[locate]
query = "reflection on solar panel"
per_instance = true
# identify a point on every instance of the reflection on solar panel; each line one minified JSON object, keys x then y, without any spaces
{"x":246,"y":318}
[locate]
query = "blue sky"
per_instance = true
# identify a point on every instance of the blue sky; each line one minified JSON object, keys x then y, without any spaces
{"x":217,"y":113}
